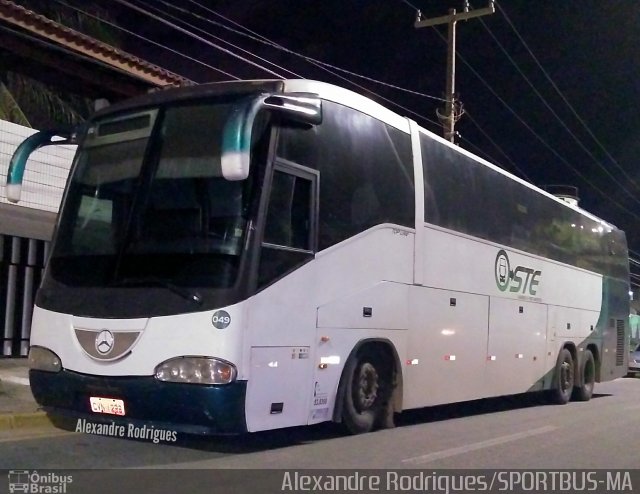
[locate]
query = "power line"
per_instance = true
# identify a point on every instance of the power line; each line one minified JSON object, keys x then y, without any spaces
{"x":209,"y":34}
{"x":261,"y":39}
{"x":104,"y":21}
{"x":195,"y":36}
{"x":522,"y":173}
{"x":258,"y":37}
{"x":529,"y":128}
{"x":535,"y":90}
{"x":322,"y":63}
{"x":481,"y":152}
{"x":553,"y":84}
{"x":544,"y":143}
{"x":417,"y":115}
{"x":452,"y":109}
{"x":482,"y":131}
{"x":264,"y":40}
{"x":410,"y":5}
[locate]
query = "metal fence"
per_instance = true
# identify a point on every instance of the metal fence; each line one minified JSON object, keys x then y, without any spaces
{"x":22,"y":262}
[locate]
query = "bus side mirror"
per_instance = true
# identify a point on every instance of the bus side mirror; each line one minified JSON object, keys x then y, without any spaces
{"x":236,"y":135}
{"x":19,"y":159}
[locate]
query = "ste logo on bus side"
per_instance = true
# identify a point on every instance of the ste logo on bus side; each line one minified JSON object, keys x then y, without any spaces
{"x":521,"y":279}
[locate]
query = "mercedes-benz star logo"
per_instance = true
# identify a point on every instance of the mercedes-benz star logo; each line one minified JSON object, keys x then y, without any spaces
{"x":104,"y":342}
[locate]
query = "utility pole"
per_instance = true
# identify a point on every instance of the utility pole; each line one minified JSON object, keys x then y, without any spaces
{"x":452,"y":111}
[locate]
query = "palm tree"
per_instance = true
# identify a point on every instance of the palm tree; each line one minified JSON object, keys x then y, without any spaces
{"x":28,"y":102}
{"x":9,"y":108}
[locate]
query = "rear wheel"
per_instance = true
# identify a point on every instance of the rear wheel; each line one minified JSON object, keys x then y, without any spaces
{"x":584,"y":391}
{"x":563,"y":378}
{"x":367,"y":392}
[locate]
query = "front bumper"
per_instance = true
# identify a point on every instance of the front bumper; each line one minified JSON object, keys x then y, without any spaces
{"x":187,"y":408}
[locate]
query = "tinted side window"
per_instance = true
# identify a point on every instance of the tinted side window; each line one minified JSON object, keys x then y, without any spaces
{"x":288,"y":217}
{"x":366,"y":174}
{"x":289,"y":227}
{"x":464,"y":195}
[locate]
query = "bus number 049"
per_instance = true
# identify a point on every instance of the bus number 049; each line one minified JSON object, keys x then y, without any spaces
{"x":221,"y":319}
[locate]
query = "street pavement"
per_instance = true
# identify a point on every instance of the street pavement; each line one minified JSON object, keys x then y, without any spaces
{"x":18,"y":409}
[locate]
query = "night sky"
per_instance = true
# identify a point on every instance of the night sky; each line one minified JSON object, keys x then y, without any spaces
{"x":573,"y":122}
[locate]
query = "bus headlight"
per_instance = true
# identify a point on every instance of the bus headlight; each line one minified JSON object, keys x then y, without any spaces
{"x":43,"y":359}
{"x":196,"y":370}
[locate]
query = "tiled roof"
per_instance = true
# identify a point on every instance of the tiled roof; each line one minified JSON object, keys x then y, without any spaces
{"x":88,"y":46}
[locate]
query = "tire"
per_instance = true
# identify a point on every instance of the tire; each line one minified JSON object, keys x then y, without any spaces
{"x":563,"y":379}
{"x":584,"y":391}
{"x":366,"y":394}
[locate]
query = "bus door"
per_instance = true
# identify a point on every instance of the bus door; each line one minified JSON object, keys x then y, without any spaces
{"x":282,"y":313}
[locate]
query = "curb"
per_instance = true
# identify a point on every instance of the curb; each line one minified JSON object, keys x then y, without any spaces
{"x":10,"y":421}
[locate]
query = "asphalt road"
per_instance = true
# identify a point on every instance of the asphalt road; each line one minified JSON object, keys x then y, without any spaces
{"x":511,"y":433}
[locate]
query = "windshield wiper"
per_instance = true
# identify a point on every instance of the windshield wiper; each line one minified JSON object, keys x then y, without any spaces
{"x":191,"y":296}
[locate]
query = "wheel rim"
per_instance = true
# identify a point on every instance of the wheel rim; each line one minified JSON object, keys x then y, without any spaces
{"x":566,"y":377}
{"x":366,"y":387}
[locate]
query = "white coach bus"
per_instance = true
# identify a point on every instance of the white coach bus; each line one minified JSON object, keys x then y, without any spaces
{"x":246,"y":256}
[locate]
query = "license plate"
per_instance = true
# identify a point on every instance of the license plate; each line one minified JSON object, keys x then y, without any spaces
{"x":111,"y":406}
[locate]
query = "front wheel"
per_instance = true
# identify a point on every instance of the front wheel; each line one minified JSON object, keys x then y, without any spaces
{"x":367,"y":392}
{"x":563,"y":378}
{"x":584,"y":391}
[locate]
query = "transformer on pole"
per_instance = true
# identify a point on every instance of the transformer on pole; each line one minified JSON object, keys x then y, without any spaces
{"x":453,"y":109}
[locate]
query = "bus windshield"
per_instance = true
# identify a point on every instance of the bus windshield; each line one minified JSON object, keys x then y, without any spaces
{"x":147,"y":203}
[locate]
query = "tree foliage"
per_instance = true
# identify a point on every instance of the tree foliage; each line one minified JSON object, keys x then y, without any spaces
{"x":27,"y":101}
